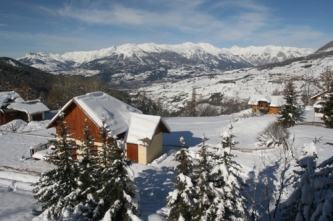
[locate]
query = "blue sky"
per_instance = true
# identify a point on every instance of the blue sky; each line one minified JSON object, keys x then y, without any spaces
{"x":79,"y":25}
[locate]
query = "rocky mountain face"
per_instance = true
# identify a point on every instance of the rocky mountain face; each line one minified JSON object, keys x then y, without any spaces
{"x":326,"y":48}
{"x":150,"y":62}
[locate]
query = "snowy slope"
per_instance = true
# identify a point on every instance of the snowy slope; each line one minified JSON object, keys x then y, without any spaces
{"x":239,"y":84}
{"x":155,"y":181}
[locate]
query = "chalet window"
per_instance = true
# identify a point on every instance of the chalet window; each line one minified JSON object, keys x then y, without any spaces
{"x":74,"y":155}
{"x":94,"y":150}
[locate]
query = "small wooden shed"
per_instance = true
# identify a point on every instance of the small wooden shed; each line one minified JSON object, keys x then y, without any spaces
{"x":93,"y":108}
{"x":145,"y":137}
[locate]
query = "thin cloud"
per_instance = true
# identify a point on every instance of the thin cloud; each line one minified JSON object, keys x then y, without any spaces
{"x":181,"y":16}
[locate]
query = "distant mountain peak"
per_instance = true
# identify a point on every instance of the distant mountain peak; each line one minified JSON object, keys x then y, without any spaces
{"x":140,"y":58}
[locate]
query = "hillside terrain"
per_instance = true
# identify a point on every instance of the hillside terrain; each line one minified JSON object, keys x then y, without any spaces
{"x":240,"y":84}
{"x":16,"y":75}
{"x":53,"y":90}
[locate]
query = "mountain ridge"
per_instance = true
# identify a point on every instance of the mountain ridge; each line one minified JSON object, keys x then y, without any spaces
{"x":200,"y":54}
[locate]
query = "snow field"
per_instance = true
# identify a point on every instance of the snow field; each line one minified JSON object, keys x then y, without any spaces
{"x":261,"y":81}
{"x":155,"y":181}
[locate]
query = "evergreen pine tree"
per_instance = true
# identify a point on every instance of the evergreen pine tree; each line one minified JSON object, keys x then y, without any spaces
{"x":324,"y":191}
{"x":180,"y":201}
{"x":301,"y":204}
{"x":190,"y":108}
{"x":205,"y":205}
{"x":327,"y":108}
{"x":55,"y":187}
{"x":290,"y":113}
{"x":226,"y":180}
{"x":89,"y":177}
{"x":118,"y":193}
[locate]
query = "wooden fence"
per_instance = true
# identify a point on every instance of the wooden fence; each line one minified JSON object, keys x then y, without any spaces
{"x":20,"y":170}
{"x":314,"y":123}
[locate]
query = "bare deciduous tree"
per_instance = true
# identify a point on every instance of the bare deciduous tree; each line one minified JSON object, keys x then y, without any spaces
{"x":308,"y":87}
{"x":327,"y":78}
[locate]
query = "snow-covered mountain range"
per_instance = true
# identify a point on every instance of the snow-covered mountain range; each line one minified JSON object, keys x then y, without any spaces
{"x":242,"y":83}
{"x":155,"y":61}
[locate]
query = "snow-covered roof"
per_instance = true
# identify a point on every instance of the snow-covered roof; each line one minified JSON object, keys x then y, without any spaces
{"x":318,"y":95}
{"x":29,"y":108}
{"x":274,"y":101}
{"x":7,"y":96}
{"x":277,"y":101}
{"x":142,"y":128}
{"x":318,"y":104}
{"x":256,"y":98}
{"x":100,"y":106}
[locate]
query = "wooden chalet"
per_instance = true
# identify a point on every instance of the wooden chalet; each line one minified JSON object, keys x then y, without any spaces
{"x":13,"y":107}
{"x":266,"y":104}
{"x":317,"y":99}
{"x":141,"y":133}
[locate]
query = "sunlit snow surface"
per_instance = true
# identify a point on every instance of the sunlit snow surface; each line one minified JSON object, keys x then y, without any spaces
{"x":155,"y":180}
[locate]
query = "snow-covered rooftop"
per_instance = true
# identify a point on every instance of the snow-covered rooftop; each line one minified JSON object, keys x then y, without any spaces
{"x":29,"y":108}
{"x":318,"y":95}
{"x":274,"y":101}
{"x":7,"y":96}
{"x":143,"y":126}
{"x":100,"y":107}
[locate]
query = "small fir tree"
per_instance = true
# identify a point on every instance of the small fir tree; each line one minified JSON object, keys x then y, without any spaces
{"x":290,"y":113}
{"x":180,"y":201}
{"x":327,"y":109}
{"x":226,"y":181}
{"x":190,"y":108}
{"x":324,"y":191}
{"x":55,"y":187}
{"x":205,"y":205}
{"x":89,"y":178}
{"x":301,"y":204}
{"x":119,"y":193}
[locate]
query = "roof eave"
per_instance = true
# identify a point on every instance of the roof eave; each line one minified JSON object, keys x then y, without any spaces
{"x":57,"y":115}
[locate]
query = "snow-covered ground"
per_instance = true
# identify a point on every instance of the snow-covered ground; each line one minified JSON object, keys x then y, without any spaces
{"x":155,"y":180}
{"x":238,"y":84}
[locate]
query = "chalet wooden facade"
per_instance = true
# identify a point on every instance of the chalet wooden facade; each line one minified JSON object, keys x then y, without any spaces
{"x":125,"y":121}
{"x":13,"y":107}
{"x":266,"y":104}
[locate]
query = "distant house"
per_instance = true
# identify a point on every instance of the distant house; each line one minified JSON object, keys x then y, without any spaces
{"x":141,"y":133}
{"x":317,"y":99}
{"x":12,"y":107}
{"x":266,"y":104}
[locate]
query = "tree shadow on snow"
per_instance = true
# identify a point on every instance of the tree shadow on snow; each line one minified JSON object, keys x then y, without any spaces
{"x":154,"y":186}
{"x":260,"y":189}
{"x":172,"y":139}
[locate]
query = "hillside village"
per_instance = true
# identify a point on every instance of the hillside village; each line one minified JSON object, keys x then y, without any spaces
{"x":261,"y":137}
